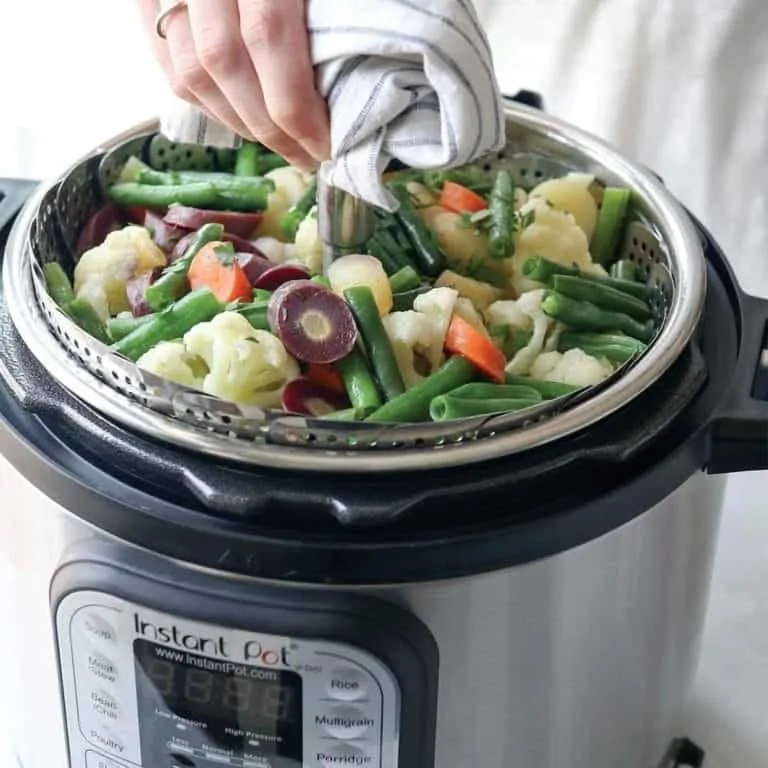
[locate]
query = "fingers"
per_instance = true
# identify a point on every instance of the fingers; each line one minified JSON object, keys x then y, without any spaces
{"x":277,"y":43}
{"x":247,"y":64}
{"x":148,"y":10}
{"x":220,"y":50}
{"x":190,"y":75}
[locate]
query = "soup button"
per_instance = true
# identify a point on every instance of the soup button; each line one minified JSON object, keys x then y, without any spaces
{"x":345,"y":723}
{"x":347,"y":685}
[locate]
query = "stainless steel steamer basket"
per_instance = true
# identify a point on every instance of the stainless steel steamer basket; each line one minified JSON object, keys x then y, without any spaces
{"x":660,"y":238}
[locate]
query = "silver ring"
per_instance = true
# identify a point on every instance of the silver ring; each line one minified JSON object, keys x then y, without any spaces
{"x":162,"y":17}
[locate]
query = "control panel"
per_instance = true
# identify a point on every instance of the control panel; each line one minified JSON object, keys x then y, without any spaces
{"x":145,"y":688}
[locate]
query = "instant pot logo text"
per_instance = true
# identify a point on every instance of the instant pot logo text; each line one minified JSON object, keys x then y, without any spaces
{"x":252,"y":651}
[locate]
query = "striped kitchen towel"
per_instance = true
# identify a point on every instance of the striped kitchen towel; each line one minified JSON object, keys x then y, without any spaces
{"x":406,"y":79}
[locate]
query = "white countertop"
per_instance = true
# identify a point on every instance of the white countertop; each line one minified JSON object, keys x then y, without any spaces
{"x":58,"y":113}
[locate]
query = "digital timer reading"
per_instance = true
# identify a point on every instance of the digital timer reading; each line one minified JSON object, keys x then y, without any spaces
{"x":269,"y":700}
{"x":240,"y":708}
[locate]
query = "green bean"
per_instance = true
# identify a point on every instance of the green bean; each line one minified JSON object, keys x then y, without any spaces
{"x":610,"y":224}
{"x":405,"y":279}
{"x":601,"y":296}
{"x":386,"y":240}
{"x":413,"y":405}
{"x":377,"y":344}
{"x":516,"y":340}
{"x":84,"y":316}
{"x":543,"y":271}
{"x":624,"y":270}
{"x":487,"y":391}
{"x":240,"y":193}
{"x":194,"y":195}
{"x":348,"y":414}
{"x":119,"y":327}
{"x":173,"y":283}
{"x":256,"y":314}
{"x":57,"y":283}
{"x":549,"y":390}
{"x":291,"y":220}
{"x":402,"y":302}
{"x":172,"y":323}
{"x":582,"y":315}
{"x":270,"y":161}
{"x":447,"y":407}
{"x":431,"y":260}
{"x":247,"y":160}
{"x":469,"y":176}
{"x":376,"y":250}
{"x":245,"y":199}
{"x":359,"y":383}
{"x":501,"y":243}
{"x":615,"y":347}
{"x":151,"y":177}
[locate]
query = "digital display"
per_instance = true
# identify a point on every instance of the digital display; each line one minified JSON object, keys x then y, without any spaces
{"x":238,"y":708}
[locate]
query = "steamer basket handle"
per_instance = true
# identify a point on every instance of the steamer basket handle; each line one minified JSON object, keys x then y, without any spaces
{"x":740,"y":428}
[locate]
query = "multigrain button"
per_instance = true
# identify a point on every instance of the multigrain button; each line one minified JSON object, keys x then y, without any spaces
{"x":345,"y":723}
{"x":96,"y":627}
{"x":347,"y":685}
{"x":344,"y":756}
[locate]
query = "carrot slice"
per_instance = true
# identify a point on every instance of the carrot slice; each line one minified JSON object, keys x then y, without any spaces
{"x":459,"y":199}
{"x":215,"y":267}
{"x":326,"y":376}
{"x":462,"y":339}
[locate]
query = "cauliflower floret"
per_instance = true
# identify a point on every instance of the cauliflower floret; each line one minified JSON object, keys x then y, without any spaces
{"x":553,"y":234}
{"x":438,"y":305}
{"x":102,"y":272}
{"x":308,"y":245}
{"x":410,"y":333}
{"x":507,"y":312}
{"x":574,"y":367}
{"x":528,"y":306}
{"x":245,"y":365}
{"x":170,"y":360}
{"x":290,"y":185}
{"x":571,"y":193}
{"x":276,"y":251}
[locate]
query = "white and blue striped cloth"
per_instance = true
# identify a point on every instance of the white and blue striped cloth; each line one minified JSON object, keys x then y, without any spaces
{"x":406,"y":79}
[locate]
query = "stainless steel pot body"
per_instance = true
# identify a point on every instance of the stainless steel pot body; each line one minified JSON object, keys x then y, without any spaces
{"x":581,"y":660}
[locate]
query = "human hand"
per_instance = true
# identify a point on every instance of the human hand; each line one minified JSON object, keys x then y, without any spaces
{"x":246,"y":64}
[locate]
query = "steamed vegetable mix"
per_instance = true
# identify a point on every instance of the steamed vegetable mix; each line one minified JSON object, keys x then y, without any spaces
{"x":475,"y":297}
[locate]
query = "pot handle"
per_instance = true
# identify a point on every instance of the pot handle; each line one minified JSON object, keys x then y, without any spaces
{"x":740,"y":427}
{"x":13,"y":195}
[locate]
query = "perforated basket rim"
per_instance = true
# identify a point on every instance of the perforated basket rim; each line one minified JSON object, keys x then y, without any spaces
{"x":676,"y":231}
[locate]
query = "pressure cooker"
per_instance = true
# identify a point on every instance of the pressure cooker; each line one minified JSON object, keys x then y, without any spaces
{"x":185,"y":585}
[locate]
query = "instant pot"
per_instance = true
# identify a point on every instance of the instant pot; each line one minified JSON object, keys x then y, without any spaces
{"x":180,"y":595}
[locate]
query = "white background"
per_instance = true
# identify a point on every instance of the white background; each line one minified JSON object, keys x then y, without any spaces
{"x":681,"y":85}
